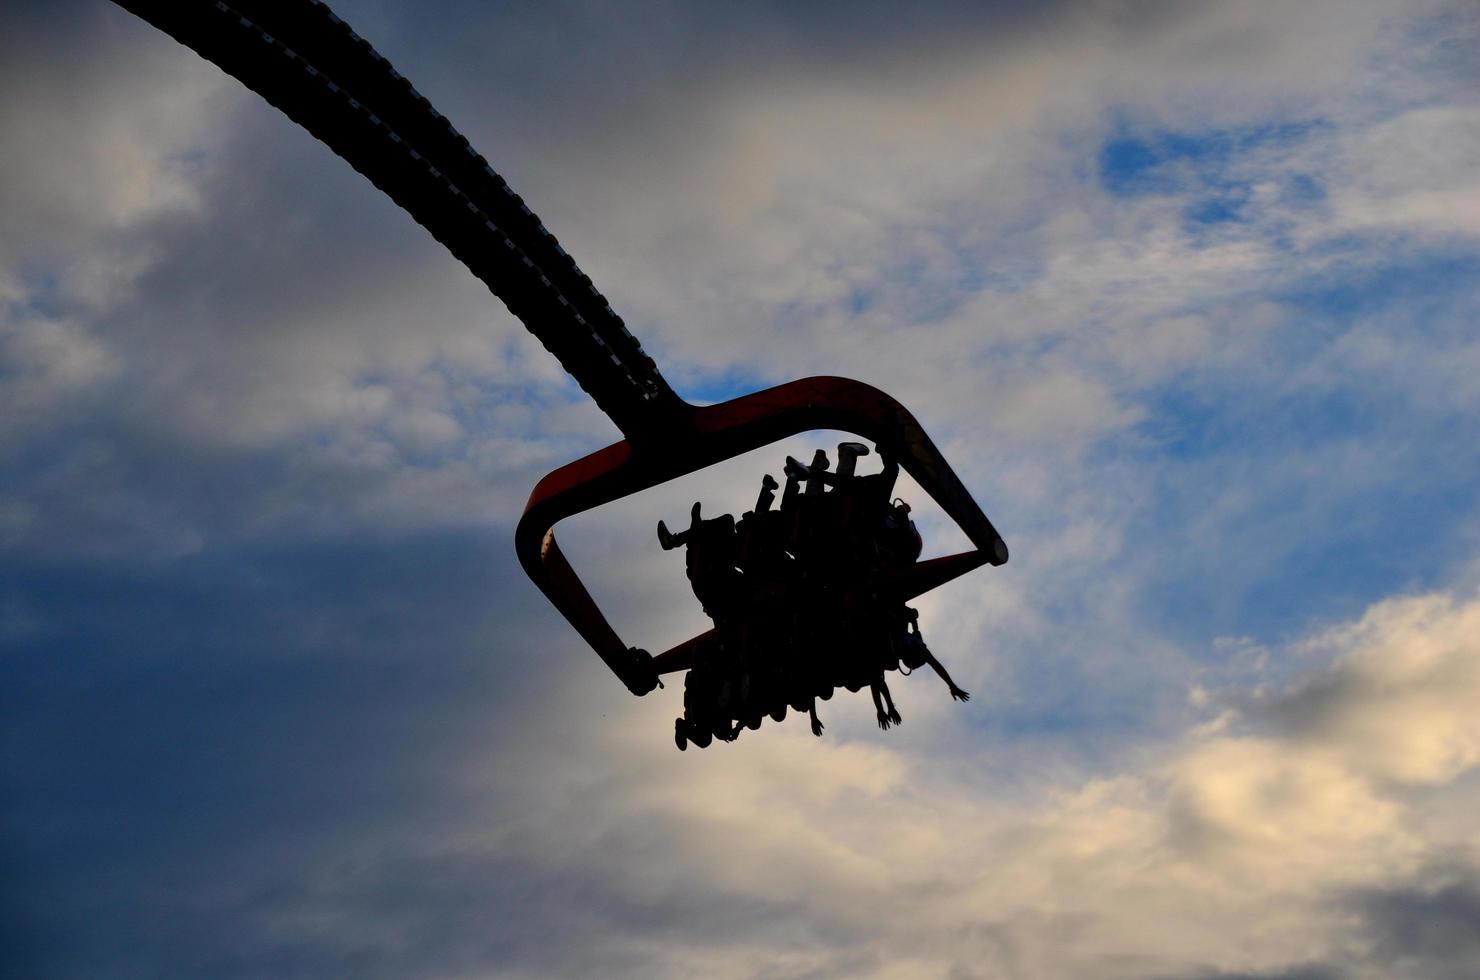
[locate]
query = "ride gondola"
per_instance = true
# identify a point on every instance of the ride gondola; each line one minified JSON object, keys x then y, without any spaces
{"x":311,"y":65}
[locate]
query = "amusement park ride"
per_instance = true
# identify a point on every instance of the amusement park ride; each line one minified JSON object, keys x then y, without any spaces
{"x":806,"y":596}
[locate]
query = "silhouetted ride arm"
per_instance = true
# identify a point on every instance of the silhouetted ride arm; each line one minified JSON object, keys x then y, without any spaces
{"x":309,"y":64}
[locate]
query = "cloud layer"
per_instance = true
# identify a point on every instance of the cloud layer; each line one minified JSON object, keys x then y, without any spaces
{"x":1185,"y":292}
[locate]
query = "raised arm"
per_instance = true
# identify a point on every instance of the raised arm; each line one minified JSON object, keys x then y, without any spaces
{"x":956,"y":692}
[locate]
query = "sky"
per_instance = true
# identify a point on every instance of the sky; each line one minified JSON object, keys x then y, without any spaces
{"x":1187,"y":293}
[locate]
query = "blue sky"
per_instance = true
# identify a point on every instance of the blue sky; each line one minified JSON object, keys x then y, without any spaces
{"x":1186,"y":292}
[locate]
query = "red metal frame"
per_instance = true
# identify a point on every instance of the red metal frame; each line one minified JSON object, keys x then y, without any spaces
{"x":697,"y":437}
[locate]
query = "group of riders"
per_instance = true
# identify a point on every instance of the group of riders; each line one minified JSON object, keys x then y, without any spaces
{"x":800,"y":598}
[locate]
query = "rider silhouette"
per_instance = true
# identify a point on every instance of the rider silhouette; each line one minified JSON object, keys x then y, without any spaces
{"x":793,"y":594}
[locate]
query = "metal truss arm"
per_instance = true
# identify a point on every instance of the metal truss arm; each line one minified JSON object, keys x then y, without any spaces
{"x":309,"y":64}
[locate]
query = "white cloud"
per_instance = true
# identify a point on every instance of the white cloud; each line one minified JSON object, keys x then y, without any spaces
{"x":1400,"y":703}
{"x":1231,"y":848}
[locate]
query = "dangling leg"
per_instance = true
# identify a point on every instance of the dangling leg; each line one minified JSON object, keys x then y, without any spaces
{"x":883,"y":716}
{"x":889,"y":700}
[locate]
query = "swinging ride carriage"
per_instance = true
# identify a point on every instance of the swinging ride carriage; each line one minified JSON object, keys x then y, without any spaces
{"x":806,"y":595}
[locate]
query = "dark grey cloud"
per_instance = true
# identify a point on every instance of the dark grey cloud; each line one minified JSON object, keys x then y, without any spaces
{"x":259,"y":763}
{"x":587,"y":59}
{"x":1291,"y":973}
{"x":186,"y":745}
{"x":1424,"y":930}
